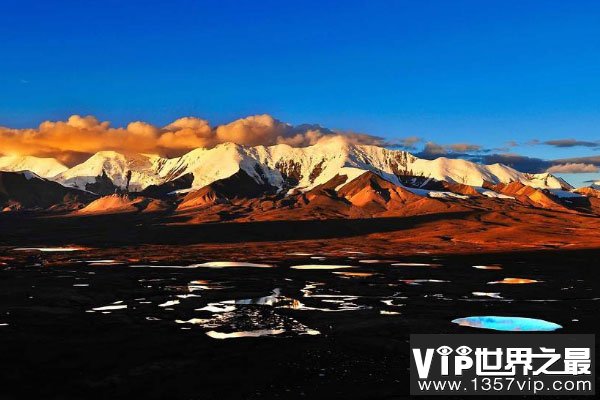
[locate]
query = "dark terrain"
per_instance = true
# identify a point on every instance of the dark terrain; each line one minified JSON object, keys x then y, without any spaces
{"x":54,"y":347}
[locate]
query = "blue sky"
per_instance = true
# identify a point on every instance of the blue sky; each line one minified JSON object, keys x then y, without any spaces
{"x":476,"y":72}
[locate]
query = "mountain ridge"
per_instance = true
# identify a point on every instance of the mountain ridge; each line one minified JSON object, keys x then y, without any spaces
{"x":332,"y":178}
{"x":286,"y":167}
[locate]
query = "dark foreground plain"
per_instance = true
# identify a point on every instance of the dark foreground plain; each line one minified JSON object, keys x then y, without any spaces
{"x":118,"y":319}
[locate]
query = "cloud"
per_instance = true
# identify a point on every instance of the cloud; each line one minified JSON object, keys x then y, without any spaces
{"x":186,"y":133}
{"x":573,"y":168}
{"x":143,"y":129}
{"x":571,"y":143}
{"x":538,"y":165}
{"x":253,"y":130}
{"x":432,"y":149}
{"x":407,"y":143}
{"x":518,"y":162}
{"x":75,"y":139}
{"x":456,"y":150}
{"x":464,"y":147}
{"x":359,"y":138}
{"x":585,"y":160}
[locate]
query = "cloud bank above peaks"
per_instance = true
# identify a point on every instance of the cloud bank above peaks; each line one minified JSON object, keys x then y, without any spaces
{"x":73,"y":140}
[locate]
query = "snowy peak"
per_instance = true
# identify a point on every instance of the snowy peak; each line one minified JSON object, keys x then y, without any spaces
{"x":290,"y":169}
{"x":44,"y":167}
{"x":220,"y":162}
{"x":546,"y":181}
{"x":308,"y":167}
{"x":331,"y":178}
{"x":131,"y":171}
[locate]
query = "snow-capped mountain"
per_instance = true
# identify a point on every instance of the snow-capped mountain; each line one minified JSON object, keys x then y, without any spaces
{"x":222,"y":161}
{"x":288,"y":168}
{"x":117,"y":167}
{"x":595,"y":185}
{"x":44,"y":167}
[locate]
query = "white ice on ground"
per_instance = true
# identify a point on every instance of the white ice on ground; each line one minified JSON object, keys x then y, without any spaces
{"x":111,"y":307}
{"x":241,"y":334}
{"x":492,"y":194}
{"x":320,"y":267}
{"x":230,"y":264}
{"x":169,"y":303}
{"x":565,"y":194}
{"x":48,"y":249}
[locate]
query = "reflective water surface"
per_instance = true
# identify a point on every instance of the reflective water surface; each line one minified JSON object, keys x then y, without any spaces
{"x":305,"y":294}
{"x":515,"y":324}
{"x":290,"y":324}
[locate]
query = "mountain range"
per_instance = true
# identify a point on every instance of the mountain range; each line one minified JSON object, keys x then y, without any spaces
{"x":332,"y":179}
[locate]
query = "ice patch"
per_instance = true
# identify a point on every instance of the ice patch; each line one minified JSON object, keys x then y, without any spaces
{"x":490,"y":267}
{"x":514,"y":324}
{"x":230,"y":264}
{"x":445,"y":195}
{"x":419,"y":281}
{"x":218,"y":307}
{"x":169,"y":303}
{"x":354,"y":274}
{"x":111,"y":307}
{"x":241,"y":334}
{"x":415,"y":265}
{"x":49,"y":249}
{"x":320,"y":267}
{"x":487,"y":294}
{"x":496,"y":195}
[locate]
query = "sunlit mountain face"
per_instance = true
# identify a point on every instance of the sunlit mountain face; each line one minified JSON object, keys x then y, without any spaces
{"x":336,"y":178}
{"x":261,"y":168}
{"x":79,"y":137}
{"x":268,"y":199}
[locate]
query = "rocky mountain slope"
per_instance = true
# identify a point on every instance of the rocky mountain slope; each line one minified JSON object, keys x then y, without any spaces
{"x":28,"y":191}
{"x":281,"y":166}
{"x":330,"y":179}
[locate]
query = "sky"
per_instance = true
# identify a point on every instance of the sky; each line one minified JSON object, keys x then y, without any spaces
{"x":475,"y":79}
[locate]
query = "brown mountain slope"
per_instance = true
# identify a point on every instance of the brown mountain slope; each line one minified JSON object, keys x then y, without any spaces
{"x":529,"y":195}
{"x":374,"y":194}
{"x":163,"y":190}
{"x":367,"y":196}
{"x":458,"y":188}
{"x":588,"y":192}
{"x":238,"y":187}
{"x":517,"y":228}
{"x":590,"y":203}
{"x":461,"y":189}
{"x":24,"y":190}
{"x":123,"y":203}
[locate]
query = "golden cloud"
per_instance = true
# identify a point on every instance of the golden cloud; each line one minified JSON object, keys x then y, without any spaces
{"x":252,"y":131}
{"x":78,"y":137}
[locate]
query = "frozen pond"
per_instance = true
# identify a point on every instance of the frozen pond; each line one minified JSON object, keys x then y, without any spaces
{"x":514,"y":324}
{"x":298,"y":322}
